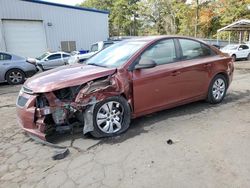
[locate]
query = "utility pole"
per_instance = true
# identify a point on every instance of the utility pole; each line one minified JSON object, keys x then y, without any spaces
{"x":196,"y":18}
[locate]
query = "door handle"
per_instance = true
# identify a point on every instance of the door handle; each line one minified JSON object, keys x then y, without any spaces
{"x":175,"y":73}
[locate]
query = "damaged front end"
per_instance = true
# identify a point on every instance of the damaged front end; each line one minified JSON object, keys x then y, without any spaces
{"x":43,"y":114}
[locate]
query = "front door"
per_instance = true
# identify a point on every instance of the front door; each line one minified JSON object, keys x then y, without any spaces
{"x":53,"y":61}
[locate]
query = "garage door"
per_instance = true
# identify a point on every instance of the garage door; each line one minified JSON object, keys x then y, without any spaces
{"x":25,"y":38}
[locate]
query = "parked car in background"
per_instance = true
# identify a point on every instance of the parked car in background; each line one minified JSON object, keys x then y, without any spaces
{"x":14,"y":69}
{"x":129,"y":79}
{"x":50,"y":60}
{"x":95,"y":48}
{"x":237,"y":51}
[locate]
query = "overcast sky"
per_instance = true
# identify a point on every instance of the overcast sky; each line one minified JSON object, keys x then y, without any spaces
{"x":66,"y":2}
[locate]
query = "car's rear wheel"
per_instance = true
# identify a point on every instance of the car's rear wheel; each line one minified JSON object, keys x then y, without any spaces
{"x":111,"y":117}
{"x":248,"y":57}
{"x":217,"y":89}
{"x":15,"y":76}
{"x":234,"y":57}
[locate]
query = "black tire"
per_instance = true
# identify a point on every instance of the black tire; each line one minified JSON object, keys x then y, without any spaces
{"x":210,"y":97}
{"x":234,"y":58}
{"x":248,"y":57}
{"x":125,"y":118}
{"x":15,"y":76}
{"x":40,"y":67}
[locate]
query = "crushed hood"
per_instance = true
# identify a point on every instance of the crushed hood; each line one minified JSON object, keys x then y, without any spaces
{"x":66,"y":76}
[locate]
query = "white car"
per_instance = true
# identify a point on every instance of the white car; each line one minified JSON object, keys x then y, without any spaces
{"x":237,"y":51}
{"x":50,"y":60}
{"x":95,"y":48}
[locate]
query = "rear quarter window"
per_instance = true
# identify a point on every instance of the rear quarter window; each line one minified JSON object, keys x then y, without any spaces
{"x":4,"y":57}
{"x":193,"y":49}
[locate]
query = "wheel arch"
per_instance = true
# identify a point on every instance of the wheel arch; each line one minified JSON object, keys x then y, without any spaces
{"x":129,"y":101}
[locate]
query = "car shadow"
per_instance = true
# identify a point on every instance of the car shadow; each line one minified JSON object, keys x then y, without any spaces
{"x":141,"y":125}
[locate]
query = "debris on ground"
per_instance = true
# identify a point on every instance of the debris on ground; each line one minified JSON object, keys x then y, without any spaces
{"x":60,"y":154}
{"x":170,"y":142}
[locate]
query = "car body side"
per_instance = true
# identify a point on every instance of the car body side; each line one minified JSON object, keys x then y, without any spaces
{"x":47,"y":64}
{"x":240,"y":52}
{"x":16,"y":62}
{"x":145,"y":90}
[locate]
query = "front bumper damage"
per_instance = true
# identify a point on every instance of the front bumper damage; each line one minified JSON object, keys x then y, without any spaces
{"x":43,"y":114}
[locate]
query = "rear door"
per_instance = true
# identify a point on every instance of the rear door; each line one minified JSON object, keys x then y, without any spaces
{"x":153,"y":88}
{"x":65,"y":58}
{"x":197,"y":61}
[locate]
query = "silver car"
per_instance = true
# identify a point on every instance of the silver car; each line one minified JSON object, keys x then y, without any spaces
{"x":52,"y":60}
{"x":14,"y":69}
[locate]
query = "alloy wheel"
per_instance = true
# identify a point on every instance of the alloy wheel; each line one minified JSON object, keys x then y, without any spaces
{"x":219,"y":88}
{"x":16,"y":77}
{"x":109,"y":117}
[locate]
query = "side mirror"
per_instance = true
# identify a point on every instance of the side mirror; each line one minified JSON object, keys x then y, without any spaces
{"x":46,"y":59}
{"x":145,"y":64}
{"x":240,"y":49}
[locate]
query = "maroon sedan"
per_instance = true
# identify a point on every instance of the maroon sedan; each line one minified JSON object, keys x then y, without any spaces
{"x":127,"y":80}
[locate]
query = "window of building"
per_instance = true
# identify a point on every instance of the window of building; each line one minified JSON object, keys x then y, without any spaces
{"x":68,"y":46}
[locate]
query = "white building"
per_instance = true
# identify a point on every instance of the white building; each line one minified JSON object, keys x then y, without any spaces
{"x":31,"y":27}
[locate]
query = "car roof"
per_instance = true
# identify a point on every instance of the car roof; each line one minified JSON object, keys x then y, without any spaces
{"x":58,"y":52}
{"x":158,"y":37}
{"x":13,"y":55}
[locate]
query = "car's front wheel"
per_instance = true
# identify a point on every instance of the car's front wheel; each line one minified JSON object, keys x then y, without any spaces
{"x":111,"y":117}
{"x":15,"y":76}
{"x":217,"y":89}
{"x":234,"y":58}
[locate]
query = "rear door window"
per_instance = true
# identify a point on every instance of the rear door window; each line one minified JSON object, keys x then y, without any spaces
{"x":162,"y":52}
{"x":4,"y":57}
{"x":65,"y":55}
{"x":244,"y":47}
{"x":193,"y":49}
{"x":54,"y":56}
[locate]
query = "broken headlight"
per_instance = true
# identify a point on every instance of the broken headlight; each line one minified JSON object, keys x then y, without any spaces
{"x":67,"y":93}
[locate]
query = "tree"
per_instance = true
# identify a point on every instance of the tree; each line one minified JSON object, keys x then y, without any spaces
{"x":158,"y":16}
{"x":200,"y":18}
{"x":123,"y":18}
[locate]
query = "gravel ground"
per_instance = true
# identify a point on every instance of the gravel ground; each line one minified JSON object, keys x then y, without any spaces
{"x":210,"y":148}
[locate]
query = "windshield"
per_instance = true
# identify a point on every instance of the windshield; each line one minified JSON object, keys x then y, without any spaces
{"x":117,"y":54}
{"x":43,"y":56}
{"x":230,"y":47}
